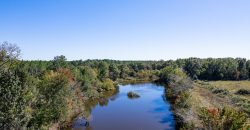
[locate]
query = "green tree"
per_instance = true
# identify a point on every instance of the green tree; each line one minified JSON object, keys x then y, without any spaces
{"x":169,"y":73}
{"x":87,"y":78}
{"x":16,"y":91}
{"x":114,"y":72}
{"x":103,"y":69}
{"x":242,"y":69}
{"x":16,"y":98}
{"x":248,"y":68}
{"x":9,"y":53}
{"x":51,"y":103}
{"x":124,"y":71}
{"x":193,"y":67}
{"x":59,"y":62}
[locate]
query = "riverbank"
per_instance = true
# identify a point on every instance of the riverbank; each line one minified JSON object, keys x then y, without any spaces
{"x":80,"y":104}
{"x":132,"y":80}
{"x":213,"y":95}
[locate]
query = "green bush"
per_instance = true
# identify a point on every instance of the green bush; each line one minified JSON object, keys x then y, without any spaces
{"x":108,"y":85}
{"x":223,"y":119}
{"x":243,"y":92}
{"x":242,"y":102}
{"x":92,"y":94}
{"x":220,"y":91}
{"x":170,"y":74}
{"x":182,"y":100}
{"x":188,"y":126}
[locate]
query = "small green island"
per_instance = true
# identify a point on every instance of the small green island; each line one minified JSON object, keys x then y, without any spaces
{"x":133,"y":95}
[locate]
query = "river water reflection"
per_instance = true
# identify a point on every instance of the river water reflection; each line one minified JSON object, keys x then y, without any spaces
{"x":118,"y":112}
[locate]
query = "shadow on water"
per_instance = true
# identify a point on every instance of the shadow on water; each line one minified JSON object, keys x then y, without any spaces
{"x":82,"y":121}
{"x":115,"y":111}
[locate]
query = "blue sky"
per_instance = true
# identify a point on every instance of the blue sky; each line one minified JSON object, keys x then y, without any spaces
{"x":127,"y":29}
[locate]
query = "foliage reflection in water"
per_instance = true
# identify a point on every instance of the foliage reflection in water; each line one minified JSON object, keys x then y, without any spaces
{"x":116,"y":111}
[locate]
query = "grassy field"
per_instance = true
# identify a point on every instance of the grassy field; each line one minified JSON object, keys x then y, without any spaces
{"x":229,"y":92}
{"x":233,"y":87}
{"x":217,"y":94}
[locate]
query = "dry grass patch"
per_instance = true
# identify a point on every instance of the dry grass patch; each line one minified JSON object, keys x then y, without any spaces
{"x":235,"y":89}
{"x":231,"y":86}
{"x":204,"y":97}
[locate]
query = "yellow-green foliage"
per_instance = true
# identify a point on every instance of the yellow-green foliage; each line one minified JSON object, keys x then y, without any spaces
{"x":188,"y":126}
{"x":223,"y":119}
{"x":108,"y":84}
{"x":182,"y":100}
{"x":171,"y":74}
{"x":51,"y":104}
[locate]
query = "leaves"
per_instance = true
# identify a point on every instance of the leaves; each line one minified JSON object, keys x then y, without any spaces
{"x":222,"y":119}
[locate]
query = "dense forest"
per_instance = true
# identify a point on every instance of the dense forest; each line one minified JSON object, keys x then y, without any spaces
{"x":196,"y":68}
{"x":38,"y":94}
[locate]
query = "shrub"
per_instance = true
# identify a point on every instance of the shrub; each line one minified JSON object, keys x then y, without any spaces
{"x":180,"y":84}
{"x":222,"y":119}
{"x":243,"y":92}
{"x":188,"y":126}
{"x":182,"y":100}
{"x":242,"y":102}
{"x":171,"y":74}
{"x":220,"y":91}
{"x":67,"y":73}
{"x":92,"y":94}
{"x":108,"y":84}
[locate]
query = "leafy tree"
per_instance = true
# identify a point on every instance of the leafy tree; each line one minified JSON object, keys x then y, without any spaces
{"x":248,"y":68}
{"x":16,"y":91}
{"x":9,"y":53}
{"x":88,"y":73}
{"x":88,"y":77}
{"x":15,"y":99}
{"x":124,"y":71}
{"x":103,"y":69}
{"x":193,"y":67}
{"x":114,"y":72}
{"x":168,"y":72}
{"x":242,"y":69}
{"x":59,"y":62}
{"x":51,"y":103}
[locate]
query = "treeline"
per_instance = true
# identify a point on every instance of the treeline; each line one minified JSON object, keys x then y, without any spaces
{"x":196,"y":68}
{"x":216,"y":69}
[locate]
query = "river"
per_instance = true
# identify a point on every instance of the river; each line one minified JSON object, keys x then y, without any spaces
{"x":151,"y":111}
